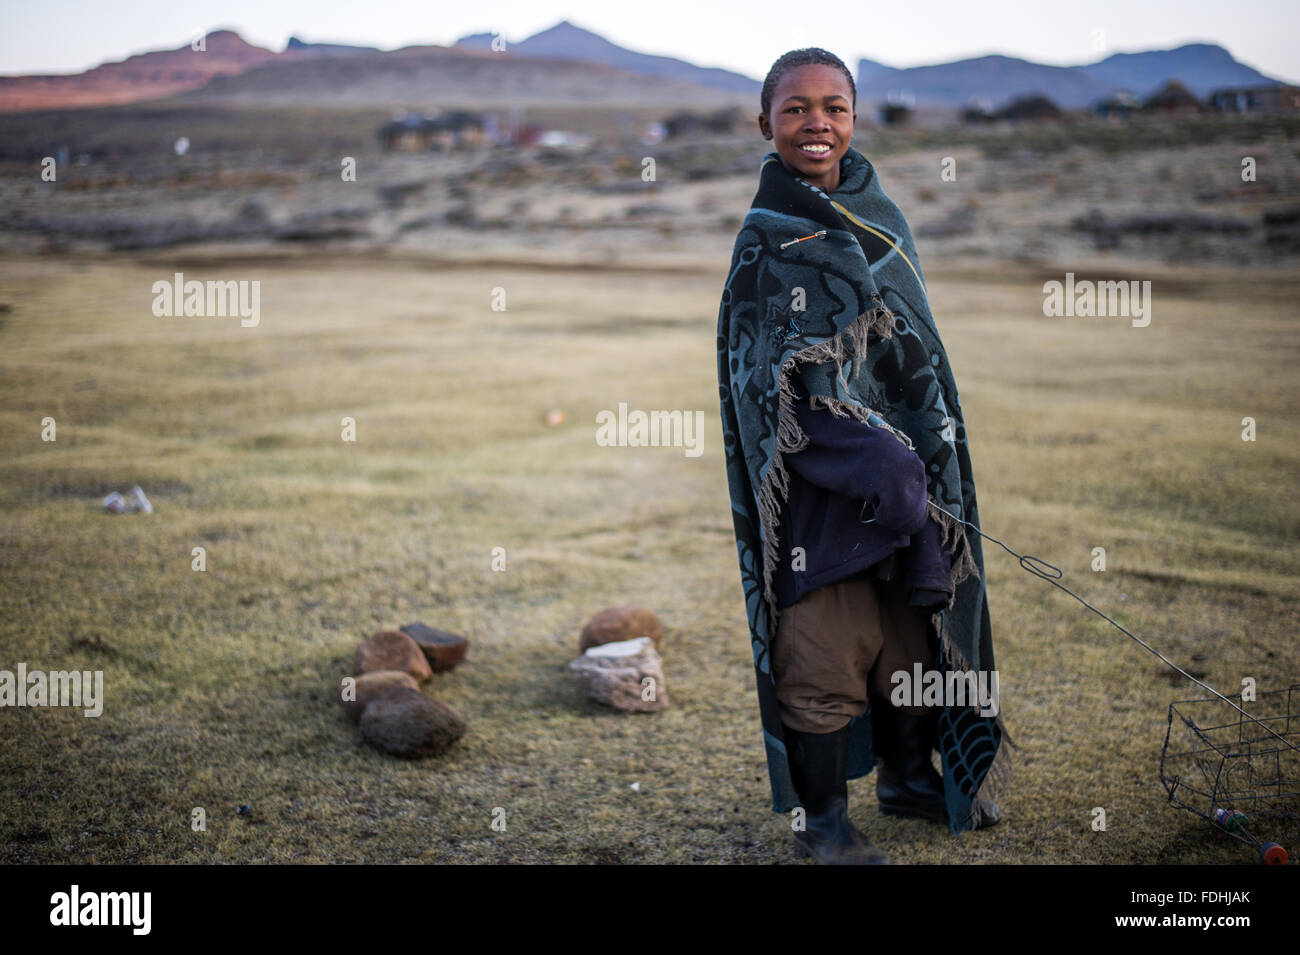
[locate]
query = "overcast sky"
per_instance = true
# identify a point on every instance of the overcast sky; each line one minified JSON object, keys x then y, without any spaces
{"x":62,"y":36}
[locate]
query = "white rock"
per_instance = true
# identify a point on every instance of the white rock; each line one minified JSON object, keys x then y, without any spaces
{"x":622,"y":675}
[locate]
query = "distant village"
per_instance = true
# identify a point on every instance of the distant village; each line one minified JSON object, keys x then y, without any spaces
{"x":464,"y":129}
{"x":1172,"y":98}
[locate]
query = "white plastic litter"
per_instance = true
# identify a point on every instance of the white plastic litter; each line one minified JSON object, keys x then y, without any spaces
{"x":118,"y":504}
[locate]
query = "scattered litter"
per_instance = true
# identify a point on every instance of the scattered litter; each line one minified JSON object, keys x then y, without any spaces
{"x":635,"y":787}
{"x":118,"y":504}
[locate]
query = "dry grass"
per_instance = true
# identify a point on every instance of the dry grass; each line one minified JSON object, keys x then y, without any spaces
{"x":220,"y":685}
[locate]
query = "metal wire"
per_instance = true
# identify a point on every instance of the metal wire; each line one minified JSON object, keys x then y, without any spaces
{"x":1036,"y":565}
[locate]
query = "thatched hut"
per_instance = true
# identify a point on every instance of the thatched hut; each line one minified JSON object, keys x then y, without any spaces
{"x":1173,"y":97}
{"x":1034,"y":107}
{"x":416,"y":133}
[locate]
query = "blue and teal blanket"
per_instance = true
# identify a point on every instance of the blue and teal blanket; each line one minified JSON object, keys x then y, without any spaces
{"x":846,"y":314}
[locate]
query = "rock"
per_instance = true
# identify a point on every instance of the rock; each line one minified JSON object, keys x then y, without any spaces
{"x":391,"y":650}
{"x":409,"y":724}
{"x":441,"y":648}
{"x":614,"y":674}
{"x":616,"y":624}
{"x":373,"y":686}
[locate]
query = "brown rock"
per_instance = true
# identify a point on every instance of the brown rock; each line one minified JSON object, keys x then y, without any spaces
{"x":442,"y":648}
{"x":627,"y":675}
{"x":409,"y":724}
{"x":616,"y":624}
{"x":374,"y":686}
{"x":391,"y":650}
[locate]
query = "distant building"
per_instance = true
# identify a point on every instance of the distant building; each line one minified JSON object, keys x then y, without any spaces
{"x":895,"y":114}
{"x":455,"y":130}
{"x":1034,"y":107}
{"x":1121,"y":103}
{"x":652,"y":133}
{"x":897,"y":108}
{"x":563,"y":139}
{"x":978,"y":110}
{"x":1173,"y":97}
{"x":685,"y":123}
{"x":524,"y":135}
{"x":1272,"y":98}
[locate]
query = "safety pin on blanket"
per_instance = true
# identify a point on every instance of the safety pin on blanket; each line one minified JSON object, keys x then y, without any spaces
{"x":815,"y":235}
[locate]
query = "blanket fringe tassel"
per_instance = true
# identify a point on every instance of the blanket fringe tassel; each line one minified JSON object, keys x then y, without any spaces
{"x":775,"y":488}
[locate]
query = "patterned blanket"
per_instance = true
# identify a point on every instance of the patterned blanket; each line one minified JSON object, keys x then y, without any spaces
{"x":827,"y":288}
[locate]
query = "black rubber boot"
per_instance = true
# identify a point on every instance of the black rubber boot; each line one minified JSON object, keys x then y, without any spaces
{"x":818,"y":762}
{"x":907,"y":783}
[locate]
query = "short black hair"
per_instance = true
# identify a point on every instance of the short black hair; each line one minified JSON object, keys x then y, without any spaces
{"x":807,"y":56}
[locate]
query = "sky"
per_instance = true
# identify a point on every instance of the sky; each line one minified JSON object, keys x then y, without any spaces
{"x":67,"y":36}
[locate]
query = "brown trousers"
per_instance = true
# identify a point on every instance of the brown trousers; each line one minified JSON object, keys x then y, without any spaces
{"x":842,"y":641}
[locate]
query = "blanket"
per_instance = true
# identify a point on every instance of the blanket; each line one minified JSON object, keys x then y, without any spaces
{"x":828,"y":289}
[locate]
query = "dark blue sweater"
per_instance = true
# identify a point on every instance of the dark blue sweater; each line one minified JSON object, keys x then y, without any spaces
{"x":857,"y":501}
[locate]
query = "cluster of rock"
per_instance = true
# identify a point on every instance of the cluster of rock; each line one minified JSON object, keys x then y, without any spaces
{"x":383,"y":694}
{"x":620,"y":664}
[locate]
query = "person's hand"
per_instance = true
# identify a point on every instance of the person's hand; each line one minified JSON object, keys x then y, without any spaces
{"x":901,"y":501}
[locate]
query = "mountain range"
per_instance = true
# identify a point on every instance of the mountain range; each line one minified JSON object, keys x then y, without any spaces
{"x":564,"y":41}
{"x":567,"y":64}
{"x":1201,"y":67}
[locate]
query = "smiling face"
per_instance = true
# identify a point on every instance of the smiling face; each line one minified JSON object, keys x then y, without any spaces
{"x":811,"y":123}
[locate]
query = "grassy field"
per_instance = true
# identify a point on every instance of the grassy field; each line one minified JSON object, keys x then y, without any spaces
{"x":220,"y":686}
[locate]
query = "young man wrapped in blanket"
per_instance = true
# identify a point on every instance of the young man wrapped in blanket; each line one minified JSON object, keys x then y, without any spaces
{"x":849,"y":475}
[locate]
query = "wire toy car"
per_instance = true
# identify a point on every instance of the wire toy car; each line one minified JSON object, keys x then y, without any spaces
{"x":1217,"y":764}
{"x":1236,"y":769}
